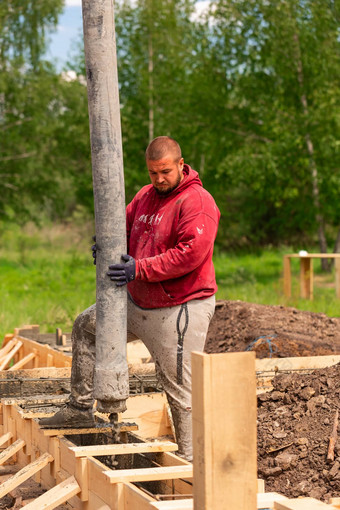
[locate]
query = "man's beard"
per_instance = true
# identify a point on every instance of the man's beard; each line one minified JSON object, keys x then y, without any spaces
{"x":164,"y":192}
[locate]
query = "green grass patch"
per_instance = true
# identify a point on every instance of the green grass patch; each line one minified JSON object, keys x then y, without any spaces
{"x":258,"y":278}
{"x":47,"y":277}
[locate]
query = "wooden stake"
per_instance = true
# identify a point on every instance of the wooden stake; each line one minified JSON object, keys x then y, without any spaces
{"x":25,"y":473}
{"x":337,"y":277}
{"x":56,"y":496}
{"x":224,"y":431}
{"x":21,"y":363}
{"x":6,"y":437}
{"x":5,"y":360}
{"x":333,"y":438}
{"x":5,"y":350}
{"x":11,"y":450}
{"x":287,"y":276}
{"x":306,"y":277}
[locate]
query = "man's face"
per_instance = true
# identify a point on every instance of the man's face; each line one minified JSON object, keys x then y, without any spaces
{"x":165,"y":173}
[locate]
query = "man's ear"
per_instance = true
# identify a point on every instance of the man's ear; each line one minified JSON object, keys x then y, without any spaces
{"x":181,"y":163}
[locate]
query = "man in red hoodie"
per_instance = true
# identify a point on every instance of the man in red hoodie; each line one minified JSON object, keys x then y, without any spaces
{"x":171,"y":229}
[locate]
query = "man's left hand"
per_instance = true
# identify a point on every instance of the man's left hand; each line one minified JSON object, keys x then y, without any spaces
{"x":123,"y":273}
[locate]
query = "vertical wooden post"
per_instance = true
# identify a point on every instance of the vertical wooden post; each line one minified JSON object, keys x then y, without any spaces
{"x":287,"y":276}
{"x":337,"y":276}
{"x":224,"y":431}
{"x":306,"y":277}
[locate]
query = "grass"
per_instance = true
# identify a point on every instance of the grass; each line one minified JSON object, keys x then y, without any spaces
{"x":258,"y":278}
{"x":47,"y":277}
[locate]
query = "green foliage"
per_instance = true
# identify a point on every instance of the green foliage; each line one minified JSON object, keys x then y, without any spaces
{"x":47,"y":277}
{"x":23,"y":24}
{"x":250,"y":92}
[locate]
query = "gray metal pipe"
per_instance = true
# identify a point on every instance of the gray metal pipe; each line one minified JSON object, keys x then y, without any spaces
{"x":111,"y":383}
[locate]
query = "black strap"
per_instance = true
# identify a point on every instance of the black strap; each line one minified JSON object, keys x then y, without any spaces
{"x":180,"y":342}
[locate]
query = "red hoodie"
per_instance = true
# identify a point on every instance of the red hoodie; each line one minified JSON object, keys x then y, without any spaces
{"x":172,"y":239}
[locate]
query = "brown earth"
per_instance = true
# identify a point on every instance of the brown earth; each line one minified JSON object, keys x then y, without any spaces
{"x":288,"y":331}
{"x":295,"y":423}
{"x":295,"y":420}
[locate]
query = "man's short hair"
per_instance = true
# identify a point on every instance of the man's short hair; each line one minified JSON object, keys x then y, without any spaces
{"x":159,"y":147}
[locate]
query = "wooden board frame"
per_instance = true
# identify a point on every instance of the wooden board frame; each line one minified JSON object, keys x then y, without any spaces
{"x":56,"y":460}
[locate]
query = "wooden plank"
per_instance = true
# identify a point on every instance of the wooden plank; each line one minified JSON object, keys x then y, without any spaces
{"x":260,"y":485}
{"x":126,"y":427}
{"x":67,"y":458}
{"x":181,"y":504}
{"x":97,"y":503}
{"x":123,"y":449}
{"x":267,"y":499}
{"x":42,"y":350}
{"x":149,"y":474}
{"x":337,"y":277}
{"x":112,"y":495}
{"x":175,"y":486}
{"x":224,"y":430}
{"x":82,"y":477}
{"x":25,"y":473}
{"x":149,"y":412}
{"x":4,"y":362}
{"x":49,"y":360}
{"x":170,"y":459}
{"x":306,"y":278}
{"x":21,"y":363}
{"x":314,"y":255}
{"x":8,"y":347}
{"x":335,"y":502}
{"x":55,"y":496}
{"x":54,"y":449}
{"x":6,"y":437}
{"x":302,"y":504}
{"x":287,"y":277}
{"x":304,"y":363}
{"x":135,"y":498}
{"x":11,"y":450}
{"x":37,"y":373}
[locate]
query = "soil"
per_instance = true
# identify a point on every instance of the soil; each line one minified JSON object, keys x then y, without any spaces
{"x":295,"y":423}
{"x":295,"y":419}
{"x":285,"y":331}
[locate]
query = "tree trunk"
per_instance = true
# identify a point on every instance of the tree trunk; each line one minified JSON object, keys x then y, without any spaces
{"x":337,"y":243}
{"x":111,"y":384}
{"x":151,"y":88}
{"x":310,"y":149}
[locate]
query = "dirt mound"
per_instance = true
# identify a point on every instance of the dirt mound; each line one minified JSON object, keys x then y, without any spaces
{"x":295,"y":422}
{"x":284,"y":331}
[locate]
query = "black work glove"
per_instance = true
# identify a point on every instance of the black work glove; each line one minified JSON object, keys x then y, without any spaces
{"x":123,"y":273}
{"x":94,"y":250}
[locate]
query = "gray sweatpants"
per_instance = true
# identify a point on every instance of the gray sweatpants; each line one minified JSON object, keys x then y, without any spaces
{"x":170,"y":334}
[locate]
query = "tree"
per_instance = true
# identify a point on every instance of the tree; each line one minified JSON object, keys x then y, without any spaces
{"x":278,"y":64}
{"x":29,"y":107}
{"x":155,"y":50}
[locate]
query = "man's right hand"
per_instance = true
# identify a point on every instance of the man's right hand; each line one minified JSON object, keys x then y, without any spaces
{"x":94,"y":250}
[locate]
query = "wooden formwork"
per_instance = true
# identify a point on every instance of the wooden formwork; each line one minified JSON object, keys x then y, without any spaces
{"x":73,"y":468}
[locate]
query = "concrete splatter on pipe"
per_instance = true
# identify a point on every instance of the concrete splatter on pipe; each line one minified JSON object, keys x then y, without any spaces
{"x":111,"y":381}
